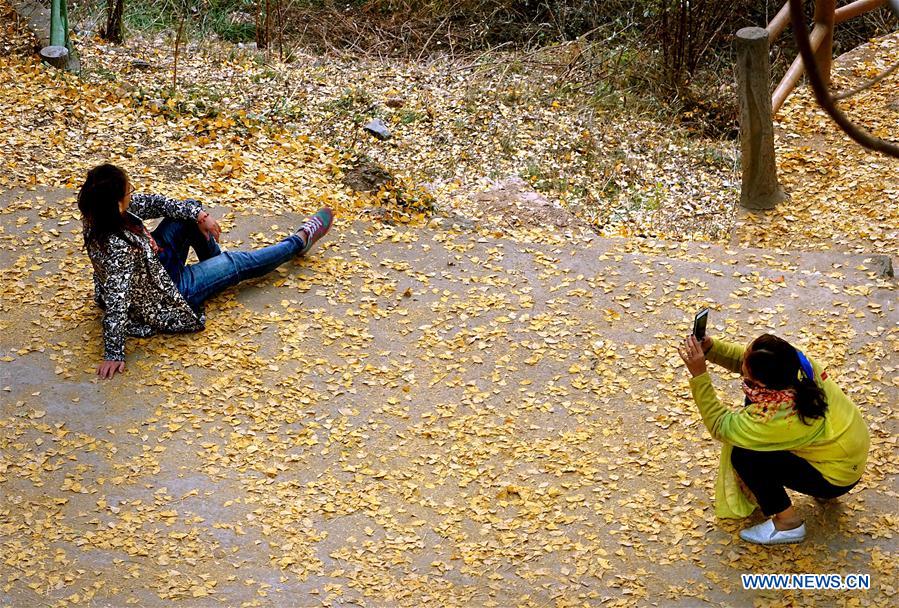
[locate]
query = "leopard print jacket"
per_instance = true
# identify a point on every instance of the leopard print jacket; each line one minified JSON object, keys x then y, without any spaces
{"x":132,"y":286}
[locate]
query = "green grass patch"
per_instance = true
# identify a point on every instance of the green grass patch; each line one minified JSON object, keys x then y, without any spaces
{"x":408,"y":117}
{"x":350,"y":99}
{"x":152,"y":17}
{"x":230,"y":20}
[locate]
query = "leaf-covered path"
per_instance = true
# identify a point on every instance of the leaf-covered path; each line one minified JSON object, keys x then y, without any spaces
{"x":412,"y":416}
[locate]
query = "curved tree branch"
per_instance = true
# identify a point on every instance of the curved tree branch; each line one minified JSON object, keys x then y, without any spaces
{"x":847,"y":94}
{"x":822,"y":93}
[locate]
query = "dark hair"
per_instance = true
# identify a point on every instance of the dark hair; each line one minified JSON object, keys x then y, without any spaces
{"x":98,"y":201}
{"x":775,"y":363}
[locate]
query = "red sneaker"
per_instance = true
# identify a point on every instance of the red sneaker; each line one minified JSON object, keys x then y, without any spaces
{"x":315,"y":228}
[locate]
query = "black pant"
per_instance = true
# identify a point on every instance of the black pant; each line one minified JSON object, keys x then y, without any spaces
{"x":767,"y":474}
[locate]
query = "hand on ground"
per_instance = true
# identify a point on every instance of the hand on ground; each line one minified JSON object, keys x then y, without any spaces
{"x":108,"y":369}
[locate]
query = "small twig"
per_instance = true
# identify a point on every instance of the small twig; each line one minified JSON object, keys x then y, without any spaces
{"x":477,"y":62}
{"x":431,"y":37}
{"x":177,"y":48}
{"x":847,"y":94}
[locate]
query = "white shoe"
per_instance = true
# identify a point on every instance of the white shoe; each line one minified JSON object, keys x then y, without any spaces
{"x":766,"y":534}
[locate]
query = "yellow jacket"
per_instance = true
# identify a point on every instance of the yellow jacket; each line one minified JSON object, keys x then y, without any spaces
{"x":836,"y":445}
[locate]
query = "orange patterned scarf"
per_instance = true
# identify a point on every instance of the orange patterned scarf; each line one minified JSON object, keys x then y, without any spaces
{"x":767,"y":396}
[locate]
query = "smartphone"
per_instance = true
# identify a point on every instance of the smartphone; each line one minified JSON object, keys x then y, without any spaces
{"x":699,"y":323}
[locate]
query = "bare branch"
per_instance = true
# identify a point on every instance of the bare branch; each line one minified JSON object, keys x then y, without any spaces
{"x":822,"y":93}
{"x":847,"y":94}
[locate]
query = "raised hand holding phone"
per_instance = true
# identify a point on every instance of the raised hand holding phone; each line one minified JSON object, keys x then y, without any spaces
{"x":700,"y":324}
{"x":700,"y":321}
{"x":692,"y":354}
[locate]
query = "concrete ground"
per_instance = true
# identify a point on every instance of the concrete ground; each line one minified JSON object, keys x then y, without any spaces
{"x":418,"y":417}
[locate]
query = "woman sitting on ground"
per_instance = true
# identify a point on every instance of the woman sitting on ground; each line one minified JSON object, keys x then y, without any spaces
{"x":142,"y":280}
{"x":797,"y":430}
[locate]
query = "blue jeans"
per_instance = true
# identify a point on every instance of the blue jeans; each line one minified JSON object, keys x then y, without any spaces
{"x":216,"y":270}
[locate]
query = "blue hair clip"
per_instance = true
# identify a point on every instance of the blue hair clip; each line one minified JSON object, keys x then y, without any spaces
{"x":805,"y":365}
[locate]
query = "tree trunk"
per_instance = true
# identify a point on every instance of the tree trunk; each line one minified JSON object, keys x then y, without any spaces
{"x":58,"y":24}
{"x":113,"y":31}
{"x":262,"y":24}
{"x":57,"y":56}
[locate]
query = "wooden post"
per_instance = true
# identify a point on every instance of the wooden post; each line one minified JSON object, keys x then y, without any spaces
{"x":824,"y":18}
{"x":791,"y":78}
{"x":779,"y":23}
{"x":759,"y":189}
{"x":859,"y":7}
